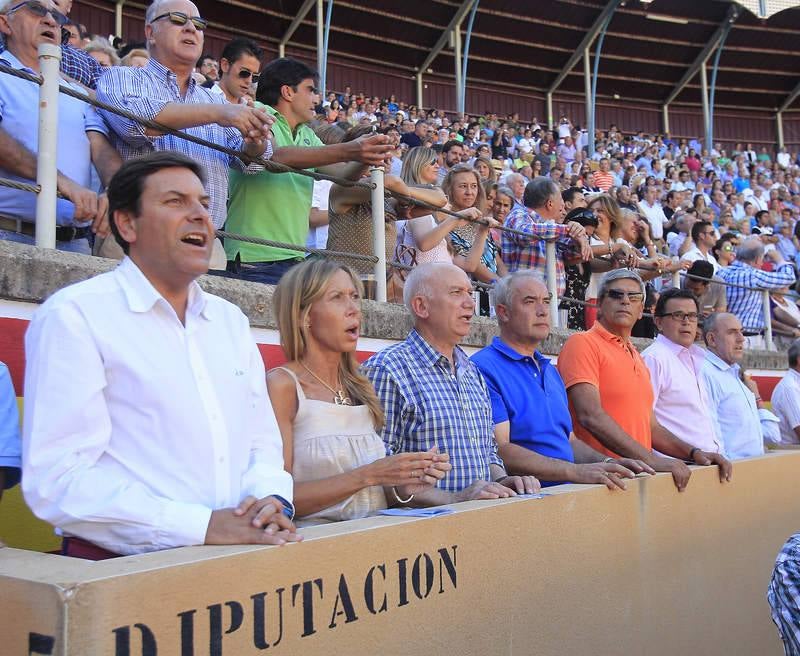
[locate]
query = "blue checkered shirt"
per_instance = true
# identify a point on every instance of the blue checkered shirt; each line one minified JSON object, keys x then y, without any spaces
{"x":145,"y":92}
{"x":77,"y":64}
{"x":783,"y":595}
{"x":427,"y":405}
{"x":746,"y":304}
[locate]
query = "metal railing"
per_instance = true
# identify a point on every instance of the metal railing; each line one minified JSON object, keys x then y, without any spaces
{"x":47,"y":191}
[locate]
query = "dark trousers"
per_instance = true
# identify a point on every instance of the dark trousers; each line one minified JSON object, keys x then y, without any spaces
{"x":268,"y":273}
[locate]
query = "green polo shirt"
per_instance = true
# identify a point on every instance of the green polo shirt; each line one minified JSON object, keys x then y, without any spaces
{"x":271,"y":205}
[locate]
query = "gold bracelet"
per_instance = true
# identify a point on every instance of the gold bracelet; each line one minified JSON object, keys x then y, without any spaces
{"x":397,"y":496}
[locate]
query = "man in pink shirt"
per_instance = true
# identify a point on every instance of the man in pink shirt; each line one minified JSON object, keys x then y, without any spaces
{"x":681,"y":403}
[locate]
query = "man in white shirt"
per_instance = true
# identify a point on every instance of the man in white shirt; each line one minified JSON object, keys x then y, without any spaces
{"x":786,"y":398}
{"x":680,"y":400}
{"x":152,"y":429}
{"x":651,"y":208}
{"x":239,"y":66}
{"x":704,"y":237}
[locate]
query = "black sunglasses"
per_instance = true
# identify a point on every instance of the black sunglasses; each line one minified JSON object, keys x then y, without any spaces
{"x":179,"y":18}
{"x":244,"y":74}
{"x":40,"y":10}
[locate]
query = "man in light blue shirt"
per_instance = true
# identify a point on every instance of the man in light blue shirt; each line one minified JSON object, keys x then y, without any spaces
{"x":10,"y":445}
{"x":734,"y":403}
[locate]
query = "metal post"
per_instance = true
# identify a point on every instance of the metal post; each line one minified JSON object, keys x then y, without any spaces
{"x":323,"y":73}
{"x":552,"y":285}
{"x":706,"y":112}
{"x":378,"y":233}
{"x":321,"y":43}
{"x":767,"y":319}
{"x":549,"y":103}
{"x":676,"y":279}
{"x":46,"y":163}
{"x":281,"y":50}
{"x":587,"y":83}
{"x":465,"y":59}
{"x":665,"y":117}
{"x":419,"y":90}
{"x":457,"y":57}
{"x":779,"y":129}
{"x":118,"y":17}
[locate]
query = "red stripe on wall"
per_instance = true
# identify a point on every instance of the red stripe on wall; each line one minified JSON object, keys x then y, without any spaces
{"x":12,"y":349}
{"x":273,"y":355}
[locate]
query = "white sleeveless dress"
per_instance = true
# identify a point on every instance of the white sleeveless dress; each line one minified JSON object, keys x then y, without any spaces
{"x":332,"y":439}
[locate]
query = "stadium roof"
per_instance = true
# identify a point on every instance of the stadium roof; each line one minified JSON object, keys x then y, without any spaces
{"x":649,"y":47}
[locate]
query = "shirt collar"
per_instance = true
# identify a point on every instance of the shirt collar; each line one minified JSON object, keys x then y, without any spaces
{"x":142,"y":296}
{"x":694,"y":351}
{"x":500,"y":346}
{"x":430,"y":355}
{"x":720,"y":364}
{"x":158,"y":69}
{"x":9,"y":59}
{"x":608,"y":336}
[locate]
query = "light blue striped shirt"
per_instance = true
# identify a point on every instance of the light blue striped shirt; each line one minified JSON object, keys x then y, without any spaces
{"x":747,"y":304}
{"x":784,"y":595}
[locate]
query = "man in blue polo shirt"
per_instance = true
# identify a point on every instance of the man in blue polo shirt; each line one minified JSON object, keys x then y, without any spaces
{"x":531,"y":417}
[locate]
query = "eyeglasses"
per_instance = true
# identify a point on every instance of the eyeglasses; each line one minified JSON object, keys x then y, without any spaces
{"x":40,"y":10}
{"x":619,"y":294}
{"x":691,"y":317}
{"x":244,"y":74}
{"x":179,"y":18}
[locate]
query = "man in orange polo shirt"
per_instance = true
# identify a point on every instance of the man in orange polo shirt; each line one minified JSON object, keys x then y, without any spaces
{"x":609,"y":391}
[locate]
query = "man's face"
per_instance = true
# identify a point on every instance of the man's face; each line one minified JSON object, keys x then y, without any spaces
{"x":172,"y":237}
{"x":528,"y":316}
{"x":727,"y":339}
{"x":622,"y":306}
{"x":553,"y":209}
{"x":679,"y":323}
{"x":303,"y":100}
{"x":176,"y":44}
{"x":238,"y":76}
{"x":421,"y":128}
{"x":448,"y":311}
{"x":210,"y":68}
{"x":453,"y":156}
{"x":74,"y":35}
{"x":578,"y":200}
{"x":25,"y":31}
{"x":604,"y":165}
{"x":518,"y":187}
{"x":545,"y":148}
{"x":697,"y":287}
{"x":707,"y":237}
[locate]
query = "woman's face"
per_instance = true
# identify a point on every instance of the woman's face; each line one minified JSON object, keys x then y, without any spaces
{"x":335,"y":319}
{"x":430,"y":172}
{"x":465,"y":190}
{"x":537,"y":165}
{"x":629,"y":228}
{"x":501,"y":207}
{"x":483,"y":170}
{"x":726,"y":254}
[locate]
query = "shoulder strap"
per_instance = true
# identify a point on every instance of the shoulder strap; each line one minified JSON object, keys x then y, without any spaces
{"x":300,"y":394}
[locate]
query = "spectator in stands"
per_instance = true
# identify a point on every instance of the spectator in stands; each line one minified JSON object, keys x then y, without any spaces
{"x":432,"y":395}
{"x":327,"y":411}
{"x":783,"y":595}
{"x":544,"y":157}
{"x":138,"y":58}
{"x":76,"y":64}
{"x":117,"y":459}
{"x":516,"y":182}
{"x":102,"y":51}
{"x":785,"y":315}
{"x":652,"y":210}
{"x":532,"y":424}
{"x":165,"y":91}
{"x":208,"y":67}
{"x":276,"y":207}
{"x":81,"y":139}
{"x":675,"y":364}
{"x":239,"y":66}
{"x":786,"y":398}
{"x":573,"y":199}
{"x":608,"y":386}
{"x":483,"y":166}
{"x":452,"y":153}
{"x":710,"y":295}
{"x":703,"y":237}
{"x":736,"y":405}
{"x":542,"y":218}
{"x":603,"y":178}
{"x":414,"y":139}
{"x":724,"y":250}
{"x":786,"y":244}
{"x":10,"y":444}
{"x":746,"y":271}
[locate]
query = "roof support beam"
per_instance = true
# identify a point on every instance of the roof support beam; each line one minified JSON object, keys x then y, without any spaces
{"x":700,"y":60}
{"x":455,"y":22}
{"x":588,"y":38}
{"x":790,"y":98}
{"x":301,"y":15}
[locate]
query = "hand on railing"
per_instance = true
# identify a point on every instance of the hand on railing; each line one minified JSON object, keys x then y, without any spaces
{"x":254,"y":124}
{"x":85,"y":200}
{"x":371,"y":150}
{"x":578,"y":233}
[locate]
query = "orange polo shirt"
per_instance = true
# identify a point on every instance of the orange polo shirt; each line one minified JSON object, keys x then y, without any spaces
{"x":615,"y":368}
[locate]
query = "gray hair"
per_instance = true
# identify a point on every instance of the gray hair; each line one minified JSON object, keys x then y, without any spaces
{"x":419,"y":280}
{"x":502,"y":292}
{"x":794,"y":353}
{"x":710,"y":324}
{"x":750,"y":250}
{"x":618,"y":274}
{"x":101,"y":44}
{"x":506,"y":191}
{"x":538,"y":191}
{"x":511,"y":177}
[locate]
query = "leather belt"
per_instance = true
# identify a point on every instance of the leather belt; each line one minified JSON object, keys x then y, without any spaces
{"x":63,"y":233}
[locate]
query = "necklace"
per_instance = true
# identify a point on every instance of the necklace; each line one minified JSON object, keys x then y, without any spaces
{"x":338,"y":395}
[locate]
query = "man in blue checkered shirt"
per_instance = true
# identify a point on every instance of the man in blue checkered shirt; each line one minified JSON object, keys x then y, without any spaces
{"x":434,"y":396}
{"x":784,"y":595}
{"x":746,"y":271}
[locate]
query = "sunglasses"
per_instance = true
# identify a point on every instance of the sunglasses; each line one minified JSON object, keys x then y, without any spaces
{"x":179,"y":18}
{"x":40,"y":10}
{"x":727,"y":248}
{"x":619,"y":294}
{"x":244,"y":74}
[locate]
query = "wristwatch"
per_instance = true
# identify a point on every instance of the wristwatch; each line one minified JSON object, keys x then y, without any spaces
{"x":288,"y":506}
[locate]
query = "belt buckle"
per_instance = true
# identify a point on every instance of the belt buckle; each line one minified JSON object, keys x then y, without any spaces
{"x":67,"y":230}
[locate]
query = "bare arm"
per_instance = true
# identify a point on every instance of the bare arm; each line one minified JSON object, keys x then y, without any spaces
{"x":522,"y":461}
{"x":317,"y":218}
{"x":105,"y":157}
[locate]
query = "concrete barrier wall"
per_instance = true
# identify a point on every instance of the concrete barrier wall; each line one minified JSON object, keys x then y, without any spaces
{"x":581,"y":571}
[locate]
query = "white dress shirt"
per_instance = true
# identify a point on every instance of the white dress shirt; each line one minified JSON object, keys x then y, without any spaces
{"x":694,"y":254}
{"x":786,"y":404}
{"x":136,"y":426}
{"x":655,"y":216}
{"x":680,"y":399}
{"x":733,"y":409}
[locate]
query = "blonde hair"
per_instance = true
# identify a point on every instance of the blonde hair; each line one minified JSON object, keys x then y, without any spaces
{"x":415,"y":160}
{"x":447,"y":184}
{"x":100,"y":44}
{"x":297,"y":291}
{"x":136,"y":52}
{"x":611,"y":208}
{"x":492,"y":173}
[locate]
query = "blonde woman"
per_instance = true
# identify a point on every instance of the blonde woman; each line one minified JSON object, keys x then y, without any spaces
{"x":483,"y":165}
{"x":328,"y":412}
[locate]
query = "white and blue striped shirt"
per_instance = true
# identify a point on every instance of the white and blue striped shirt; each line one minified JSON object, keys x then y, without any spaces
{"x":427,"y":405}
{"x":746,"y":304}
{"x":784,"y":595}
